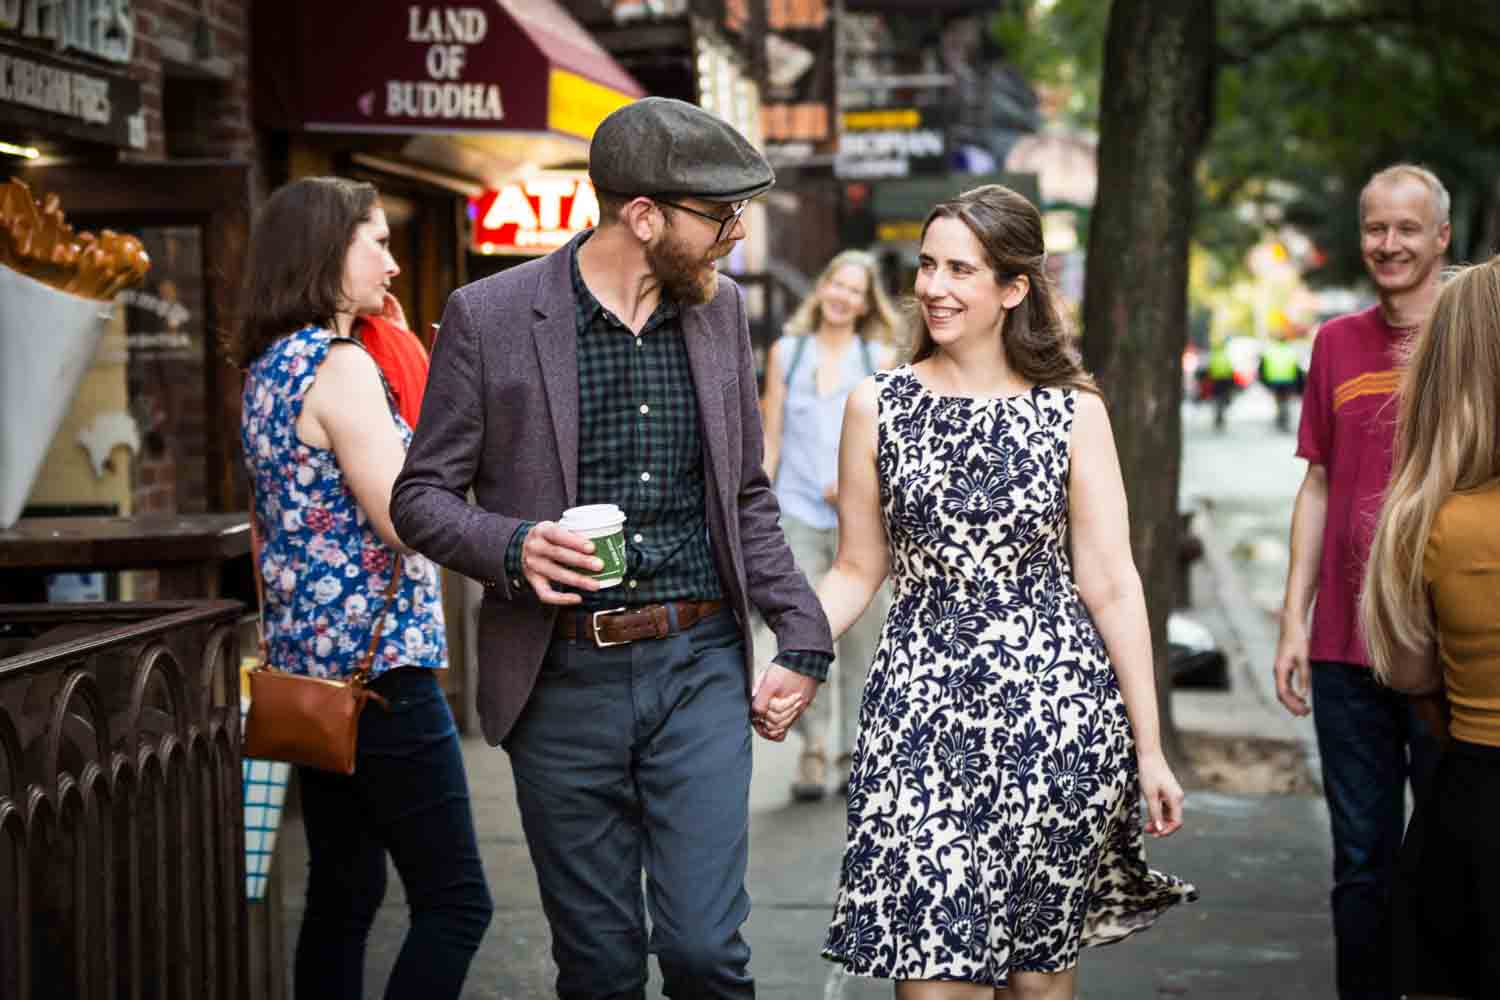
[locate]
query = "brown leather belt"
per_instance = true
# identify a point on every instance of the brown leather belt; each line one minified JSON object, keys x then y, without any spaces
{"x":617,"y":626}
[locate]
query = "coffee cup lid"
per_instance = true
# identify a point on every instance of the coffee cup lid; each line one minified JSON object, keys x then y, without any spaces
{"x":594,"y":514}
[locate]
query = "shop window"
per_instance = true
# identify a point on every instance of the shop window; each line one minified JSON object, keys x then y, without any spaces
{"x":165,"y":335}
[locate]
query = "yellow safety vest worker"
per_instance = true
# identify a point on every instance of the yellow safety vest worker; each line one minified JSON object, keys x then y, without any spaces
{"x":1219,"y":364}
{"x":1279,"y":363}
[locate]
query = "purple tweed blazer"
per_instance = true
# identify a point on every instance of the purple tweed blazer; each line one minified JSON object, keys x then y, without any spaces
{"x":500,"y":417}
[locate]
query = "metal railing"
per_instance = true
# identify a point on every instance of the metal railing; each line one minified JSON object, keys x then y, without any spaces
{"x":122,"y":867}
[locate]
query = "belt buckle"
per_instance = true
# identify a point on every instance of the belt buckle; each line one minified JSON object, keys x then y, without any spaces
{"x":594,"y":622}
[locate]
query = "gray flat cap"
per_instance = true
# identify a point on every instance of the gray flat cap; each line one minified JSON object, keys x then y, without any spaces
{"x":658,"y":145}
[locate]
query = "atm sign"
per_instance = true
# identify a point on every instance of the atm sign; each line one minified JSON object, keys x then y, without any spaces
{"x":535,"y":215}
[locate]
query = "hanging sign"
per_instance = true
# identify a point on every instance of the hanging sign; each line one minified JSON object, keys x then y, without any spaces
{"x":437,"y":66}
{"x":890,"y":142}
{"x":103,"y":29}
{"x":55,"y":96}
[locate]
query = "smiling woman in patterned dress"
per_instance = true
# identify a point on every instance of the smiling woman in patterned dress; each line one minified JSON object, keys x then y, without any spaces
{"x":1008,"y":728}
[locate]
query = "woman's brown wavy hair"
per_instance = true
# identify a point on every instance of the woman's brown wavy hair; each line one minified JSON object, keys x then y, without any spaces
{"x":295,"y":273}
{"x":1009,"y":228}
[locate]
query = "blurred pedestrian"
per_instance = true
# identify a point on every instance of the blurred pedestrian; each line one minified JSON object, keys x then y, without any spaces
{"x":841,"y":333}
{"x":1281,"y":372}
{"x":323,"y":442}
{"x":1370,"y":741}
{"x":617,"y":371}
{"x":1429,"y":622}
{"x":1009,"y":727}
{"x":1221,"y":380}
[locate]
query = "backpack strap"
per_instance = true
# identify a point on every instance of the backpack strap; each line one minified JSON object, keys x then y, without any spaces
{"x":798,"y":349}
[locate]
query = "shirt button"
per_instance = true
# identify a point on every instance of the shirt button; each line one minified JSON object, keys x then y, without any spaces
{"x":637,"y":341}
{"x":515,"y":583}
{"x":639,"y":537}
{"x":645,"y":477}
{"x":633,"y":584}
{"x":645,"y":408}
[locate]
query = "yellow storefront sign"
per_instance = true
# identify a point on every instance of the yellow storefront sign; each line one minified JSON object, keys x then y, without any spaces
{"x":882,"y":120}
{"x":576,"y":105}
{"x":898,"y":232}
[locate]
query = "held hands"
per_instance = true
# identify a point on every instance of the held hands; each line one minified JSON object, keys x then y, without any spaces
{"x":1292,"y":681}
{"x":779,"y":698}
{"x":551,"y":555}
{"x":1163,"y":795}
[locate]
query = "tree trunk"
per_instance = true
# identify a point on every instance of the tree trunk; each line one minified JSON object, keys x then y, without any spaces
{"x":1488,"y":241}
{"x":1156,"y":101}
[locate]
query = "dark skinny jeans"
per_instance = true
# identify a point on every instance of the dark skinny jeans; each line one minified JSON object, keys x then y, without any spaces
{"x":408,"y":797}
{"x":1371,"y":744}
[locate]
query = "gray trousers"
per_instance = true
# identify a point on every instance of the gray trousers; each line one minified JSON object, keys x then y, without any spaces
{"x":634,"y":758}
{"x":814,"y":549}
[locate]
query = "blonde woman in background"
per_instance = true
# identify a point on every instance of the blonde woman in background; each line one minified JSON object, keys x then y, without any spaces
{"x":840,"y":334}
{"x":1429,"y":621}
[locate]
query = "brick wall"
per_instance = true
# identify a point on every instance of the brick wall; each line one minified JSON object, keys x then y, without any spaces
{"x":193,"y":61}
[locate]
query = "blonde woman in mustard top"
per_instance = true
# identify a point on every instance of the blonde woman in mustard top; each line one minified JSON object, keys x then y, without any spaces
{"x":1431,"y":617}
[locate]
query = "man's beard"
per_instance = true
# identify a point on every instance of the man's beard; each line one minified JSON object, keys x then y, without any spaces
{"x":686,"y":279}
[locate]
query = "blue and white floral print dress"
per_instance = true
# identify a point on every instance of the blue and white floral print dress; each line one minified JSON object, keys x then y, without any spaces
{"x":994,"y":805}
{"x":325,"y":569}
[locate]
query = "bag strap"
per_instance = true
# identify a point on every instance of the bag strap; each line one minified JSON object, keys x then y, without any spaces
{"x":260,"y":593}
{"x":866,"y":354}
{"x":361,"y":674}
{"x":798,"y":349}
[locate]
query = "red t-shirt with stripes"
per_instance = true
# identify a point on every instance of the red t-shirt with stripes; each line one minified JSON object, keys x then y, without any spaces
{"x":1349,"y":427}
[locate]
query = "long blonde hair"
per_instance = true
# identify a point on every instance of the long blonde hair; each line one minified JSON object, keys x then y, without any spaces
{"x":1447,"y":441}
{"x":880,"y":322}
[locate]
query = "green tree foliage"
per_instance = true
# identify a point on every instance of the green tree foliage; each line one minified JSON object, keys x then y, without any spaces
{"x":1057,"y":46}
{"x":1311,"y":104}
{"x":1311,"y":97}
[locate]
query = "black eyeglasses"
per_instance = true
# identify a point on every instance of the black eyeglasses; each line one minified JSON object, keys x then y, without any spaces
{"x":726,"y":222}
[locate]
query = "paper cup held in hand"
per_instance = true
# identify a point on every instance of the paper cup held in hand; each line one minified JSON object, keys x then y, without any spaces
{"x":47,"y":340}
{"x":604,"y":525}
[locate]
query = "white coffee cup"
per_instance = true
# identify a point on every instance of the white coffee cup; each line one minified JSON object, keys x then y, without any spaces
{"x":604,"y":525}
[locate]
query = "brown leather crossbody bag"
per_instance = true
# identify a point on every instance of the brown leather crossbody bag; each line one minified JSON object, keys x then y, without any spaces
{"x":311,"y":721}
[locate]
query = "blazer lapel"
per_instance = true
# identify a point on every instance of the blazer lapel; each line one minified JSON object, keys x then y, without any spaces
{"x":710,"y":372}
{"x":555,"y":329}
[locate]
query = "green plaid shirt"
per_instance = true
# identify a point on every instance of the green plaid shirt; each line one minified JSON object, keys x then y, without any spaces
{"x":640,"y":446}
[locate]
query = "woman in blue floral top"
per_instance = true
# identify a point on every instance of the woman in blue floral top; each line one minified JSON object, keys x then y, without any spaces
{"x":323,"y":442}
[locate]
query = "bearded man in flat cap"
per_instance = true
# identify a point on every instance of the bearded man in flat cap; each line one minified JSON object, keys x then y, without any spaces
{"x":617,"y":370}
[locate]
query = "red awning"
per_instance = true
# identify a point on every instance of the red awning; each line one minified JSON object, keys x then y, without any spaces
{"x":481,"y":66}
